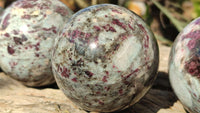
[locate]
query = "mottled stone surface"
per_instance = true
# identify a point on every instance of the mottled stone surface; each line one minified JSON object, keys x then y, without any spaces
{"x":184,"y":66}
{"x":105,"y":59}
{"x":27,"y":32}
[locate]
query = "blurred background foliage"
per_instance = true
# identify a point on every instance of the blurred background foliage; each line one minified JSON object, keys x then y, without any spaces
{"x":165,"y":17}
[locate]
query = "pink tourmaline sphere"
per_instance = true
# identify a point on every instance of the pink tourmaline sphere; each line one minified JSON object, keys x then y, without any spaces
{"x":105,"y":59}
{"x":27,"y":32}
{"x":184,"y":66}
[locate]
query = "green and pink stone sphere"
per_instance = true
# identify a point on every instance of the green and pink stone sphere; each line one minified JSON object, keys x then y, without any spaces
{"x":27,"y":32}
{"x":184,"y":66}
{"x":105,"y":59}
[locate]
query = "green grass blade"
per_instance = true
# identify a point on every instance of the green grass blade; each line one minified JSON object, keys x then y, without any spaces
{"x":179,"y":25}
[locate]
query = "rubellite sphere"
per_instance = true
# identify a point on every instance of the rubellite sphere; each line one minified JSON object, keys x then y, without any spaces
{"x":184,"y":66}
{"x":105,"y":59}
{"x":27,"y":32}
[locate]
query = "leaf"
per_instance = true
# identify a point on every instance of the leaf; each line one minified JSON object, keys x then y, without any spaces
{"x":178,"y":24}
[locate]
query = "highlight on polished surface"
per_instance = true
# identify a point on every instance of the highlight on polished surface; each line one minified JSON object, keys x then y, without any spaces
{"x":106,"y":58}
{"x":27,"y":32}
{"x":184,"y":66}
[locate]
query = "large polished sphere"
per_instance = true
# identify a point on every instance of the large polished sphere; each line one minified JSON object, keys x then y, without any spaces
{"x":184,"y":66}
{"x":105,"y":59}
{"x":27,"y":32}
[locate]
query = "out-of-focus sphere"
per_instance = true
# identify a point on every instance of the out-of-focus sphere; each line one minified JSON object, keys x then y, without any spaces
{"x":105,"y":59}
{"x":184,"y":66}
{"x":27,"y":32}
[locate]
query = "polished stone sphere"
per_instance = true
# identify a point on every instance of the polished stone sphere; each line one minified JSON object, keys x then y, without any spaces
{"x":105,"y":59}
{"x":27,"y":32}
{"x":184,"y":66}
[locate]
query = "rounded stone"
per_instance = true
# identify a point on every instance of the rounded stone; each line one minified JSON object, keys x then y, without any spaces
{"x":27,"y":32}
{"x":184,"y":66}
{"x":105,"y":59}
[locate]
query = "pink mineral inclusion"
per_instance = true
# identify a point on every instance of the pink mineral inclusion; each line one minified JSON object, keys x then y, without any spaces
{"x":117,"y":22}
{"x":105,"y":79}
{"x":5,"y":22}
{"x":116,"y":11}
{"x":65,"y":72}
{"x":10,"y":50}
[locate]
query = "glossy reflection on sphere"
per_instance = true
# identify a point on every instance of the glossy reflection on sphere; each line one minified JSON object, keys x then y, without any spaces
{"x":27,"y":32}
{"x":184,"y":66}
{"x":105,"y":59}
